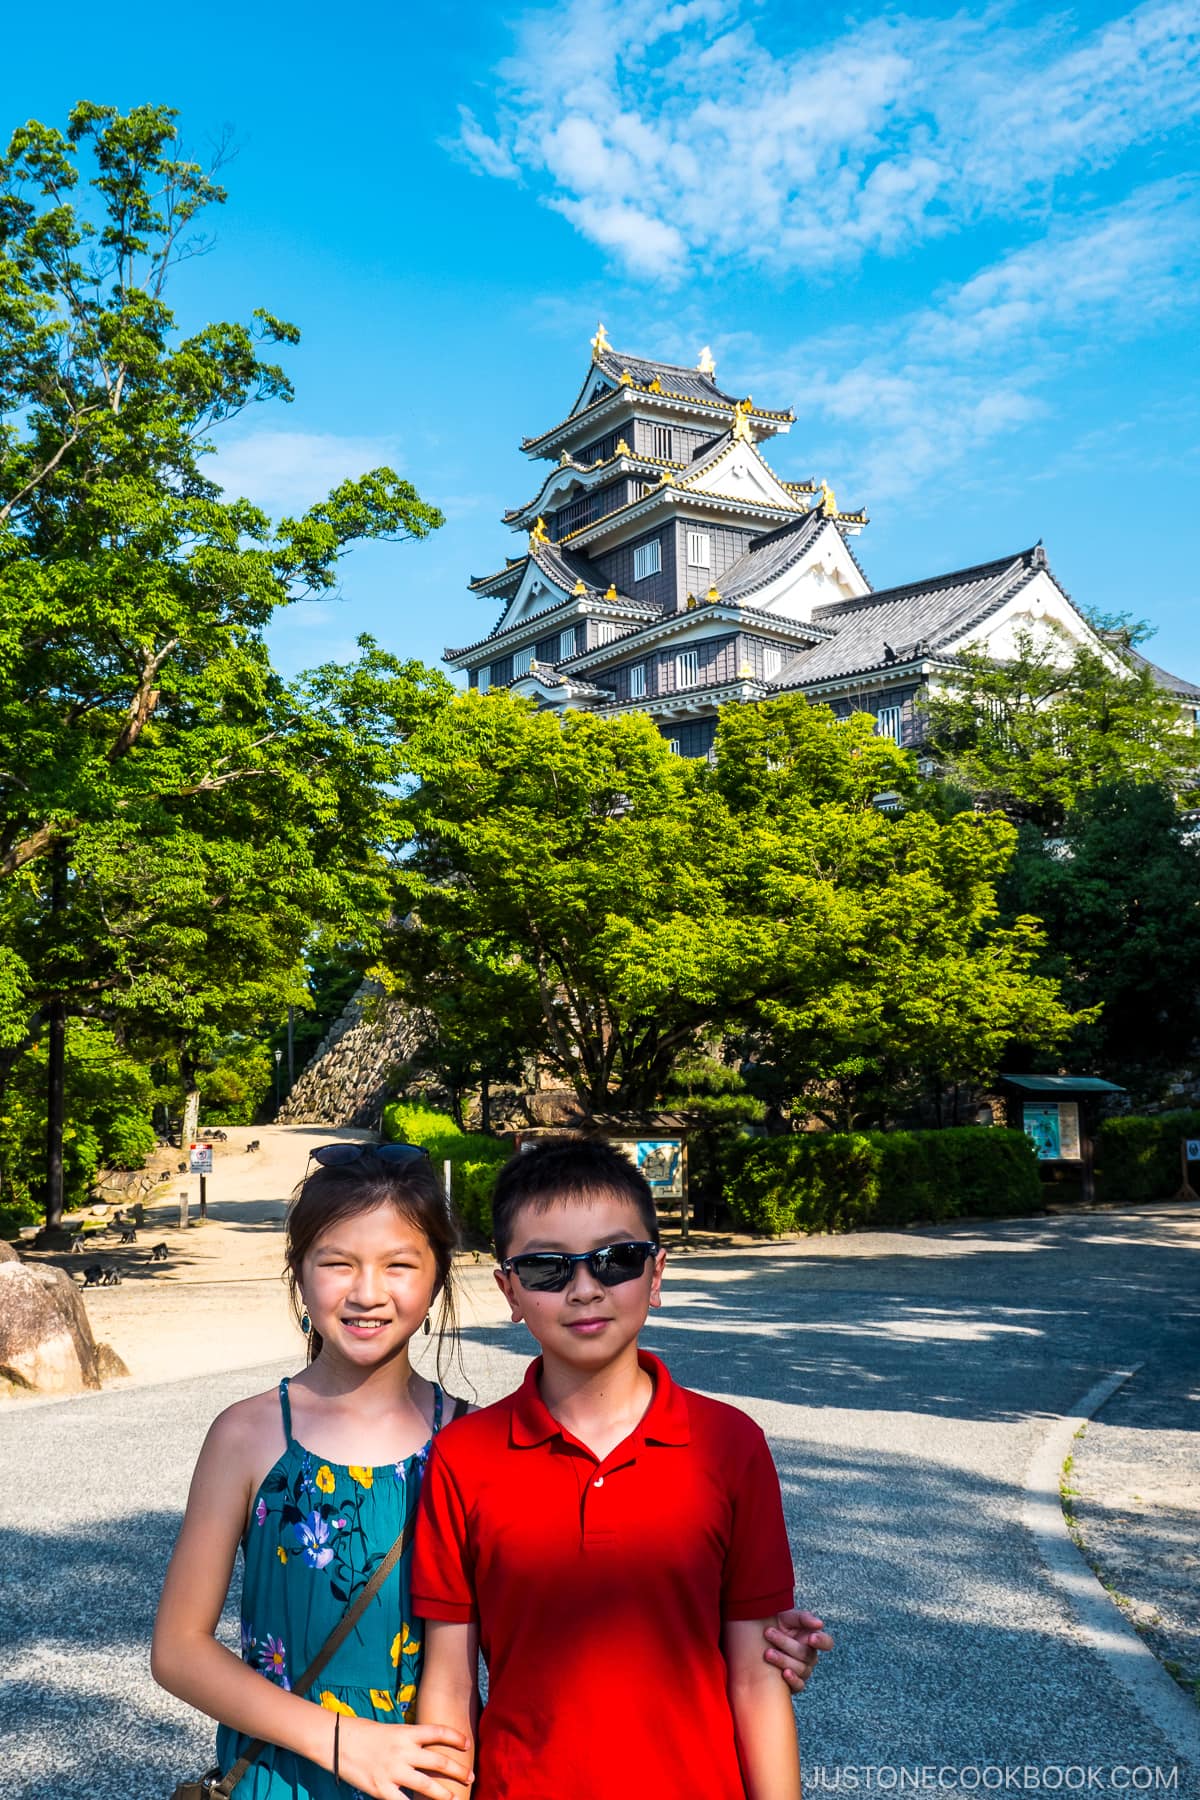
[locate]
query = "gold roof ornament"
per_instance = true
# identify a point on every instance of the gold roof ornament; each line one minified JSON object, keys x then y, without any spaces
{"x":533,"y":665}
{"x":745,"y":673}
{"x":713,"y":594}
{"x":564,"y":459}
{"x":579,"y":587}
{"x":706,"y":365}
{"x":692,"y":603}
{"x":610,"y":593}
{"x":622,"y":448}
{"x":741,"y":418}
{"x":827,"y":502}
{"x":655,"y":387}
{"x":626,"y":378}
{"x":539,"y":534}
{"x":668,"y":475}
{"x":600,"y":343}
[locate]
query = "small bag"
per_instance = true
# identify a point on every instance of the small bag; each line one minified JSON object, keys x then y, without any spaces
{"x":215,"y":1786}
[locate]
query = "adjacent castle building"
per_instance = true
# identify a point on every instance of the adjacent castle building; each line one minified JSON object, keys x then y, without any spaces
{"x":668,"y":569}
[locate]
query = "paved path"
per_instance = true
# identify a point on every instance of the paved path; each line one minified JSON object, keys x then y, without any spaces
{"x":905,"y":1381}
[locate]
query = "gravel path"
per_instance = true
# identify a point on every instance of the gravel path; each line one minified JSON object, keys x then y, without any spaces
{"x":1136,"y":1476}
{"x":905,"y":1382}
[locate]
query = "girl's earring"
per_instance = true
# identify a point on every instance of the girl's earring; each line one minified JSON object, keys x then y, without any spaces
{"x":427,"y":1326}
{"x":305,"y":1322}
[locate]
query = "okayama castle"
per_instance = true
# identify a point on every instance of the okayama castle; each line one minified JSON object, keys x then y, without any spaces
{"x":669,"y":569}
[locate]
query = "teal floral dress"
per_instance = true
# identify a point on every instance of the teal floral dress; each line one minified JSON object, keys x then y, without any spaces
{"x":316,"y":1533}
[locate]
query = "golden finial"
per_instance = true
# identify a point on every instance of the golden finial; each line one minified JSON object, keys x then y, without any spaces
{"x":626,"y":378}
{"x":539,"y":534}
{"x":741,"y":418}
{"x":827,"y":502}
{"x":692,"y":603}
{"x":610,"y":593}
{"x":564,"y":459}
{"x":745,"y":672}
{"x":666,"y":476}
{"x":600,"y":343}
{"x":713,"y":594}
{"x":579,"y":588}
{"x":622,"y":448}
{"x":706,"y":365}
{"x":533,"y":665}
{"x":655,"y":387}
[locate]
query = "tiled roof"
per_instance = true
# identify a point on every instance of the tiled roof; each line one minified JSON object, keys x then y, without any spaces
{"x":566,"y":568}
{"x":769,"y":555}
{"x":1172,"y":684}
{"x":897,"y":625}
{"x":689,"y":384}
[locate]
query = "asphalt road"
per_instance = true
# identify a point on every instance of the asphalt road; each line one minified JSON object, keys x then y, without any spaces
{"x":905,"y":1382}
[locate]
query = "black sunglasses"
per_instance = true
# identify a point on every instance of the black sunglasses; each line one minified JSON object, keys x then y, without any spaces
{"x":550,"y":1271}
{"x":338,"y":1156}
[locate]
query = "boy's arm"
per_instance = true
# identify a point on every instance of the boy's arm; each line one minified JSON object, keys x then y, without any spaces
{"x":449,"y":1691}
{"x":762,"y":1714}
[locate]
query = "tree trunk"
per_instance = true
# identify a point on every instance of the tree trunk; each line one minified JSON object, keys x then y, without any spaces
{"x":191,"y":1118}
{"x":485,"y":1104}
{"x":56,"y":1080}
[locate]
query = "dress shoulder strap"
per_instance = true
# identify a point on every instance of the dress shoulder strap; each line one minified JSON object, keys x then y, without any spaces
{"x":439,"y":1401}
{"x":285,"y":1407}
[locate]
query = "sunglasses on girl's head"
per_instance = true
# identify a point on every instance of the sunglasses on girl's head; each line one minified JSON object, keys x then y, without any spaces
{"x":337,"y":1156}
{"x":550,"y":1271}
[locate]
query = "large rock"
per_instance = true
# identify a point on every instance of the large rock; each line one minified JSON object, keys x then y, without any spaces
{"x":46,"y":1343}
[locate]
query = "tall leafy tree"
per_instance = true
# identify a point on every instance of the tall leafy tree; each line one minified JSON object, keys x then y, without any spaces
{"x":1032,"y":735}
{"x":136,"y":697}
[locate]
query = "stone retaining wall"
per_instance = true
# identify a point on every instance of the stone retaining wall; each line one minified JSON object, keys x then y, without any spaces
{"x":345,"y":1082}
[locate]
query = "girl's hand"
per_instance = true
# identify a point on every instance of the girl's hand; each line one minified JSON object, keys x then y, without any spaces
{"x":385,"y":1760}
{"x":795,"y":1640}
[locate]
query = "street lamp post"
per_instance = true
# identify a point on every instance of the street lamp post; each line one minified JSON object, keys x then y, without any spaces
{"x":278,"y":1060}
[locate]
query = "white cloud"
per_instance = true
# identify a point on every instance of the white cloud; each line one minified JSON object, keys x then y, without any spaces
{"x":288,"y":471}
{"x":935,"y":388}
{"x":670,"y":135}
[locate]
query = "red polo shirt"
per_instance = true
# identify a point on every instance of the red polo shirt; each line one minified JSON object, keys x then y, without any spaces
{"x":600,"y":1589}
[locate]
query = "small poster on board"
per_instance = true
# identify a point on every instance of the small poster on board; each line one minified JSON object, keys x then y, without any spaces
{"x":200,"y":1159}
{"x":660,"y":1160}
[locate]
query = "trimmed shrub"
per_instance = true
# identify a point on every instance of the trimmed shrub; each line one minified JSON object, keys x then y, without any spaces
{"x":875,"y":1180}
{"x":1138,"y":1158}
{"x":474,"y":1157}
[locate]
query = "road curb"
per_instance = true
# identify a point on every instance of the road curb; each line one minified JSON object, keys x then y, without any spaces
{"x":1101,"y":1623}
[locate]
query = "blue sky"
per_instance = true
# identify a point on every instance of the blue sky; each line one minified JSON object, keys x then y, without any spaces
{"x":963,"y":245}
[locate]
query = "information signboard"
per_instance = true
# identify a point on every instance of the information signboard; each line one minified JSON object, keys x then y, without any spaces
{"x":1054,"y":1127}
{"x":200,"y":1159}
{"x":1191,"y":1149}
{"x":660,"y":1160}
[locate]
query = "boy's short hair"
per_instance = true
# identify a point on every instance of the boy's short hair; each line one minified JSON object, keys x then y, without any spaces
{"x":566,"y":1168}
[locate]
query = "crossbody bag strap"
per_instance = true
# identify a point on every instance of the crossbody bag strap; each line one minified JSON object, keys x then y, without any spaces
{"x":329,"y":1648}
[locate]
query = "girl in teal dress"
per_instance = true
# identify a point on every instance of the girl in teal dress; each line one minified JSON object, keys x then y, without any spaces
{"x":314,"y":1482}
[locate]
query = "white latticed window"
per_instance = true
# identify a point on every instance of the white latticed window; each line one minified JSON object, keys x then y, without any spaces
{"x":606,"y":631}
{"x":485,"y":679}
{"x":566,"y":644}
{"x":673,"y":747}
{"x":647,"y":560}
{"x":699,"y":553}
{"x":687,"y":668}
{"x":637,"y":681}
{"x":888,"y":723}
{"x":772,"y":660}
{"x":522,"y":662}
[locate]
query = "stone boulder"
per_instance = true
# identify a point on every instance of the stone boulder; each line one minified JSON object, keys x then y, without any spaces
{"x":46,"y":1343}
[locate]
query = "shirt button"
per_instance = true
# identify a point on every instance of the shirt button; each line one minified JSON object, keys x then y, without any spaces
{"x":599,"y":1481}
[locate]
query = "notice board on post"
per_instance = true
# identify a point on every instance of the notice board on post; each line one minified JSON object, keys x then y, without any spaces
{"x":1053,"y":1126}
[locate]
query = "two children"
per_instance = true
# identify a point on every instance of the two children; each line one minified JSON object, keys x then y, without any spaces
{"x":616,"y":1542}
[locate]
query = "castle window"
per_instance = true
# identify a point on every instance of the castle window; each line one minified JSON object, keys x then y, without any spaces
{"x":647,"y":560}
{"x":484,"y":679}
{"x":606,"y":631}
{"x":772,"y":660}
{"x":637,"y":681}
{"x":522,"y":662}
{"x":566,"y":644}
{"x":673,"y":747}
{"x":888,"y":723}
{"x":660,"y":442}
{"x":687,"y":668}
{"x":699,"y":553}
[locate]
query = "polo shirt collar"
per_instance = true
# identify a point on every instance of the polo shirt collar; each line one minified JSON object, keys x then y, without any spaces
{"x":665,"y":1422}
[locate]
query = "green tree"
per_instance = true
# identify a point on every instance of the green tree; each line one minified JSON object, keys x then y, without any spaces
{"x":1120,"y":897}
{"x":137,"y":703}
{"x":1032,"y":735}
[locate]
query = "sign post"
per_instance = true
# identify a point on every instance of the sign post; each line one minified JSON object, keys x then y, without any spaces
{"x":200,"y":1162}
{"x":1189,"y":1152}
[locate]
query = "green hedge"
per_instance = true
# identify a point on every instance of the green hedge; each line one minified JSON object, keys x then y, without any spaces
{"x":833,"y":1181}
{"x":475,"y":1157}
{"x":1138,"y":1159}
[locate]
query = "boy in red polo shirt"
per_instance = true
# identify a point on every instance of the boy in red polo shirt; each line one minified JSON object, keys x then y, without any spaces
{"x":614,"y":1542}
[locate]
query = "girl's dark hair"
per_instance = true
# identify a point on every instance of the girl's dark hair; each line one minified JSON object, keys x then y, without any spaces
{"x":566,"y":1168}
{"x":328,"y":1195}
